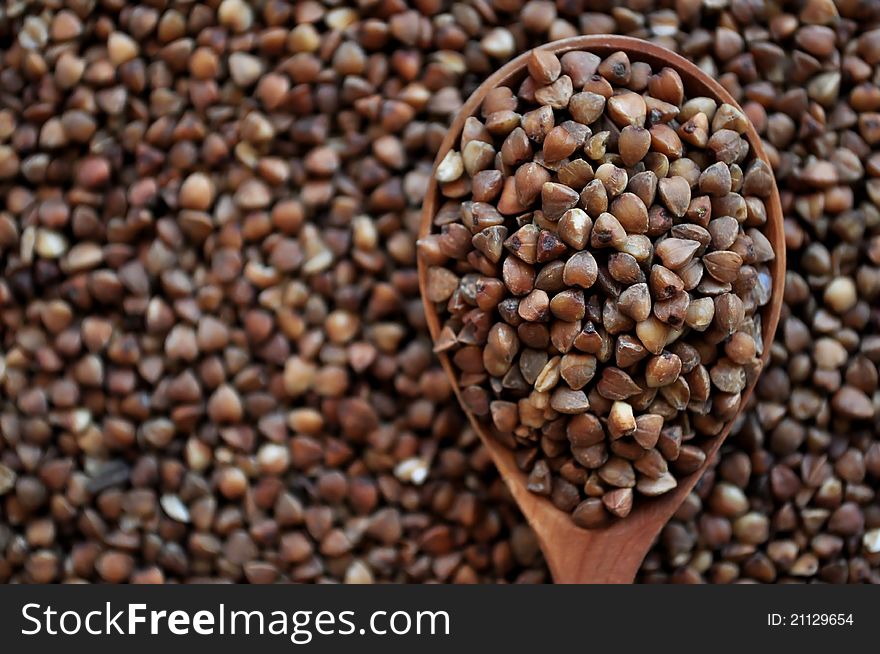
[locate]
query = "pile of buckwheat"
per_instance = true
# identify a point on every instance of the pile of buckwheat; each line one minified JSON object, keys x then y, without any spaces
{"x":214,"y":362}
{"x":599,"y":264}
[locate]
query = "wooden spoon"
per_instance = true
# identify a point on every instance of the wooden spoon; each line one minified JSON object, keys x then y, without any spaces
{"x":612,"y":554}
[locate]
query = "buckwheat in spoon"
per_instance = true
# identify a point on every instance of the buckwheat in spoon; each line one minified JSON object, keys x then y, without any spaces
{"x":602,"y":265}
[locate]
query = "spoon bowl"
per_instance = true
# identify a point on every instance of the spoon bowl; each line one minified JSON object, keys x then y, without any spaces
{"x":610,"y":554}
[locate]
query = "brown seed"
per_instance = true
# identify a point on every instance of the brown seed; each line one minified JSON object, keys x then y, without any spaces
{"x":504,"y":415}
{"x":490,"y":242}
{"x":617,"y":385}
{"x":665,"y":284}
{"x":531,"y":362}
{"x":557,"y":94}
{"x":477,"y":156}
{"x":592,"y":340}
{"x":758,"y":179}
{"x":556,"y":199}
{"x":544,"y":67}
{"x":700,"y":313}
{"x":69,"y":70}
{"x":538,"y":123}
{"x":548,"y":378}
{"x":253,"y":194}
{"x":657,"y":163}
{"x":235,"y":14}
{"x":530,"y":179}
{"x":574,"y":228}
{"x":761,"y":245}
{"x":631,"y":212}
{"x":653,"y":334}
{"x":580,"y":66}
{"x":597,"y":145}
{"x":114,"y":567}
{"x":197,"y":192}
{"x":726,"y":145}
{"x":628,"y":109}
{"x":651,"y":465}
{"x":577,"y":370}
{"x":715,"y":180}
{"x":594,"y":198}
{"x":644,"y":185}
{"x":516,"y":147}
{"x":840,"y":294}
{"x":666,"y":85}
{"x":723,"y":265}
{"x":621,"y":422}
{"x":486,"y":185}
{"x":585,"y":430}
{"x":675,"y":192}
{"x":695,"y":131}
{"x":508,"y":203}
{"x":852,"y":403}
{"x":540,"y":479}
{"x":524,"y":243}
{"x":568,"y":305}
{"x":93,"y":172}
{"x":535,"y":306}
{"x":7,"y":479}
{"x":225,"y":405}
{"x":728,"y":376}
{"x":550,"y":277}
{"x":673,"y":311}
{"x":450,"y":167}
{"x":619,"y":502}
{"x":633,"y":144}
{"x":559,"y":144}
{"x":689,"y":460}
{"x":245,"y":69}
{"x":576,"y":174}
{"x":607,"y":232}
{"x":624,"y":268}
{"x":628,"y":351}
{"x":502,"y":346}
{"x":441,"y":284}
{"x":654,"y":487}
{"x":729,"y":312}
{"x":121,"y":48}
{"x":741,"y":348}
{"x":579,"y":132}
{"x":687,"y":168}
{"x":699,"y":211}
{"x":648,"y":428}
{"x":498,"y":43}
{"x":590,"y":514}
{"x":614,"y":320}
{"x":618,"y":472}
{"x":616,"y":68}
{"x":580,"y":270}
{"x":665,"y":141}
{"x":662,"y":370}
{"x":675,"y":253}
{"x":730,"y":118}
{"x":635,"y":302}
{"x":724,"y":231}
{"x":474,"y":130}
{"x":586,"y":107}
{"x":568,"y":401}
